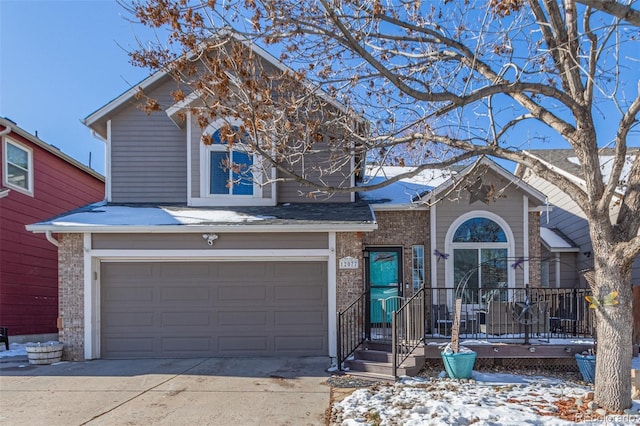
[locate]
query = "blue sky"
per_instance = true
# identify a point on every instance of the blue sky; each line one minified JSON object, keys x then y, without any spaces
{"x":59,"y":62}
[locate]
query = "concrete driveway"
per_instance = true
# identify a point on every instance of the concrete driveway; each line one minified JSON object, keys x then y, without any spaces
{"x":211,"y":391}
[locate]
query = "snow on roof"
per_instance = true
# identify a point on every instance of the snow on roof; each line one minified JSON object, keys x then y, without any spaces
{"x":554,"y":241}
{"x":606,"y":164}
{"x":403,"y":191}
{"x":141,"y":218}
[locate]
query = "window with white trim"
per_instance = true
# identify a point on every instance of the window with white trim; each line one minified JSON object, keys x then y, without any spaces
{"x":417,"y":266}
{"x":480,"y":253}
{"x":229,"y":166}
{"x":18,"y":167}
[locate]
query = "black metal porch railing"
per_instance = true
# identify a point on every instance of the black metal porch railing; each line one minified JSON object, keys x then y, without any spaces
{"x":353,"y":327}
{"x":408,"y":329}
{"x":508,"y":314}
{"x":522,"y":315}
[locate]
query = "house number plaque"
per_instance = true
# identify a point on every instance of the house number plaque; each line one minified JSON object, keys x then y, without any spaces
{"x":348,"y":263}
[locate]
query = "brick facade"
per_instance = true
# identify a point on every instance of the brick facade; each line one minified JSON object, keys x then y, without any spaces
{"x":349,"y":282}
{"x":402,"y":229}
{"x":71,"y":295}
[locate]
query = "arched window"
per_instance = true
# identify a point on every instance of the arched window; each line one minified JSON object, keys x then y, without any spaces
{"x":480,"y":248}
{"x":229,"y":165}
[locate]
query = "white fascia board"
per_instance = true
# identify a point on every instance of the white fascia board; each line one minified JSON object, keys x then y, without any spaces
{"x":189,"y":229}
{"x":519,"y":183}
{"x":561,"y":249}
{"x":122,"y":99}
{"x":541,"y":209}
{"x":575,"y":179}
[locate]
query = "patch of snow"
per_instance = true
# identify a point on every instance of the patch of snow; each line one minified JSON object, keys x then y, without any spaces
{"x":15,"y":349}
{"x":101,"y":215}
{"x":487,"y":399}
{"x":606,"y":165}
{"x":552,"y":239}
{"x":403,"y":191}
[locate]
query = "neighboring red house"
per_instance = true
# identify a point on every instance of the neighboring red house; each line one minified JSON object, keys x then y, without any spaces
{"x":38,"y":182}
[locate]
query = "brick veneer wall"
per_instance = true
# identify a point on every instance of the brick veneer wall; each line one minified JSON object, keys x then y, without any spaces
{"x":404,"y":229}
{"x":349,"y":282}
{"x":71,"y":295}
{"x":534,"y":249}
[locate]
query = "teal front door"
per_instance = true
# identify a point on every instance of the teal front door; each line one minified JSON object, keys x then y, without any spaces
{"x":384,"y":276}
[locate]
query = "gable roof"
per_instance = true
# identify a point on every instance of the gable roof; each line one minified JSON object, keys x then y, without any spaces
{"x":419,"y":189}
{"x":566,"y":162}
{"x":8,"y":124}
{"x":97,"y":119}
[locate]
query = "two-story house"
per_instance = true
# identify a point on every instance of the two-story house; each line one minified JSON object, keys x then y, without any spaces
{"x":184,"y":259}
{"x":38,"y":182}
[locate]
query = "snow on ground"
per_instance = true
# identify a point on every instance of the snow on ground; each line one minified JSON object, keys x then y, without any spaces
{"x":486,"y":399}
{"x":15,"y":349}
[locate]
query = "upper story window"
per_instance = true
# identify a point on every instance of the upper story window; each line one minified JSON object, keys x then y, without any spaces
{"x":18,"y":167}
{"x":230,"y":166}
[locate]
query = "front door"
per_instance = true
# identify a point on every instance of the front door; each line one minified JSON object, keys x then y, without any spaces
{"x":384,"y":278}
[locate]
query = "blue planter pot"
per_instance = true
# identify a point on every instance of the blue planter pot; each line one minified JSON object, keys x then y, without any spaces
{"x":460,"y":365}
{"x":587,"y":367}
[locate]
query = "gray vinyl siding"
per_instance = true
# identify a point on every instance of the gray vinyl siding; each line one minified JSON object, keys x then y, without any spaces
{"x":148,"y":155}
{"x":292,"y":192}
{"x":225,"y":241}
{"x":567,"y":216}
{"x":509,"y":208}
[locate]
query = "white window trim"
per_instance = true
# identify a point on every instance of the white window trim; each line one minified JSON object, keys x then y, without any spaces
{"x":450,"y":245}
{"x":421,"y":266}
{"x":5,"y":169}
{"x":207,"y":199}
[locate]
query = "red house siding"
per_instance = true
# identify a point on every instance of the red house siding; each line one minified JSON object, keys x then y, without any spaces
{"x":28,"y":262}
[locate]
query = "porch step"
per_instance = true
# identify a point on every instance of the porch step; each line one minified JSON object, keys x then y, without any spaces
{"x":382,"y":368}
{"x":376,"y":358}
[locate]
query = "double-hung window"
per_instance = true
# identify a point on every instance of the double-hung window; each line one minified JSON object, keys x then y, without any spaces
{"x":18,"y":167}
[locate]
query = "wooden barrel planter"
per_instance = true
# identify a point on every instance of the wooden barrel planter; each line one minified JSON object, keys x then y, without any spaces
{"x":44,"y":353}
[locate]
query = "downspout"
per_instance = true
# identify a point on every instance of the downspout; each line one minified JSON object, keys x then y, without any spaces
{"x":51,"y":239}
{"x":6,"y":131}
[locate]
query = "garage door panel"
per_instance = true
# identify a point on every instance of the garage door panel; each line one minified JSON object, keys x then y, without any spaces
{"x":235,"y":308}
{"x":243,"y":345}
{"x":293,"y":292}
{"x":128,"y":294}
{"x":191,"y":319}
{"x":241,"y":293}
{"x":242,"y":318}
{"x":293,"y":344}
{"x":297,"y":319}
{"x":201,"y":345}
{"x":177,"y":294}
{"x":126,"y":319}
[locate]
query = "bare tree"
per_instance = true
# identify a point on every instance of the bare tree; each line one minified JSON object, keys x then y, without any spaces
{"x":432,"y":84}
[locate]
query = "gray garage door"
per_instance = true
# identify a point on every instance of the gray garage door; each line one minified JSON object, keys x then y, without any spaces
{"x":199,"y":309}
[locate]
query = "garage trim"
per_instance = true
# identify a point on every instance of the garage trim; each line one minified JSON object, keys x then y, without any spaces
{"x":92,"y":259}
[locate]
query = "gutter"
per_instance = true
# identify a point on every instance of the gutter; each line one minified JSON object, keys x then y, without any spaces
{"x":51,"y":239}
{"x":189,"y":229}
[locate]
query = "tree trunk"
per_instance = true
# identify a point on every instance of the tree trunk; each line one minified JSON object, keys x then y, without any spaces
{"x":614,"y":328}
